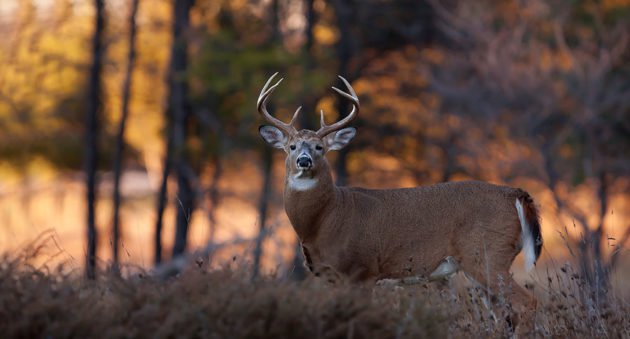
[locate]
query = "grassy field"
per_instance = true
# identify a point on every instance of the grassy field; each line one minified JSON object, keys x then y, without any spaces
{"x":41,"y":302}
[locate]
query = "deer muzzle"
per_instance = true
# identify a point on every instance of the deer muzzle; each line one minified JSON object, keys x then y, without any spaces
{"x":304,"y":162}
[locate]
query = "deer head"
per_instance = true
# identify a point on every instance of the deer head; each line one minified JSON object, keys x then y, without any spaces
{"x":306,"y":148}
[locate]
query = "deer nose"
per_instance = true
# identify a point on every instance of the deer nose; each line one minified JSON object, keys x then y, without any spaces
{"x":304,"y":162}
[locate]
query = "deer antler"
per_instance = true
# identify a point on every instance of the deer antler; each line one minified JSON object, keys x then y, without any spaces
{"x":262,"y":108}
{"x":352,"y":96}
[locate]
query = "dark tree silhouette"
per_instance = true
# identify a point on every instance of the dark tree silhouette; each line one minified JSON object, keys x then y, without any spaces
{"x":263,"y":207}
{"x":267,"y":159}
{"x":91,"y":135}
{"x":162,"y":193}
{"x":298,"y":271}
{"x":120,"y":136}
{"x":179,"y":108}
{"x":177,"y":115}
{"x":345,"y":51}
{"x":214,"y":196}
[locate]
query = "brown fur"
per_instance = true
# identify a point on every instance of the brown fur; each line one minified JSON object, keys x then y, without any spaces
{"x":369,"y":234}
{"x":403,"y":232}
{"x":366,"y":234}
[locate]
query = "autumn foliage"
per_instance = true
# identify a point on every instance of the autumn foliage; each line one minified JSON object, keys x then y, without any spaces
{"x":531,"y":94}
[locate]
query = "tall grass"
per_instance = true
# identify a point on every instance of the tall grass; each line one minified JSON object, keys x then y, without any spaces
{"x":40,"y":302}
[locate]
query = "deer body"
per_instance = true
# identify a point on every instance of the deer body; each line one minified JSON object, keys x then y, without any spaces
{"x":375,"y":234}
{"x":366,"y":234}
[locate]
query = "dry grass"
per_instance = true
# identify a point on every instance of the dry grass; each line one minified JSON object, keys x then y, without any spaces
{"x":36,"y":302}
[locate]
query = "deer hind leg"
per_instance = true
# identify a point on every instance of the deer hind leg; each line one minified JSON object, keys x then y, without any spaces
{"x":524,"y":305}
{"x":500,"y":286}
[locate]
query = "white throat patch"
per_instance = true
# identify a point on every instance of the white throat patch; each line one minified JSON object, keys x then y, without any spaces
{"x":301,"y":184}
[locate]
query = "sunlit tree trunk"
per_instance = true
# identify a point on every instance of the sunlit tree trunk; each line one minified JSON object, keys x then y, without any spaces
{"x":120,"y":137}
{"x":91,"y":135}
{"x":180,"y":110}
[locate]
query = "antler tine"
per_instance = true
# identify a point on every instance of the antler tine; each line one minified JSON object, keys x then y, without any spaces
{"x":266,"y":91}
{"x":261,"y":104}
{"x":352,"y":96}
{"x":321,"y":120}
{"x":295,"y":115}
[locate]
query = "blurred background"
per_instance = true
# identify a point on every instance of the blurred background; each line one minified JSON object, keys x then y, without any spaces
{"x":129,"y":133}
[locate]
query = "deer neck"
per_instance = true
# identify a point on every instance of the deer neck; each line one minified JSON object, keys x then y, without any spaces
{"x":307,"y":199}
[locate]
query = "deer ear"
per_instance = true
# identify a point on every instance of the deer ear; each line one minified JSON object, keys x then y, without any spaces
{"x":273,"y":136}
{"x":340,"y":139}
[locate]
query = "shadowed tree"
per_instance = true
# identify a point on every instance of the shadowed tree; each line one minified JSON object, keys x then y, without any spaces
{"x":345,"y":51}
{"x":267,"y":158}
{"x":298,"y":271}
{"x":120,"y":137}
{"x":177,"y":115}
{"x":162,"y":193}
{"x":308,"y":97}
{"x":91,"y":134}
{"x":180,"y":110}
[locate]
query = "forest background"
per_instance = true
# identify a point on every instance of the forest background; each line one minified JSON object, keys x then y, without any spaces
{"x":128,"y":129}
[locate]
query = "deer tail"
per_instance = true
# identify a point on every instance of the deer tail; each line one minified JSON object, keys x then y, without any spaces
{"x":531,"y":237}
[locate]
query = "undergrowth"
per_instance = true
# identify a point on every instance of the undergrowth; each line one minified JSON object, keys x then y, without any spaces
{"x":38,"y":302}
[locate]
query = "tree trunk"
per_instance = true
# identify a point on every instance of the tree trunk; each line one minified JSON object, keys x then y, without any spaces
{"x":263,"y":207}
{"x":180,"y":110}
{"x":448,"y":149}
{"x":299,"y":272}
{"x":344,"y":55}
{"x":267,"y":157}
{"x":161,"y":200}
{"x":91,"y":136}
{"x":214,"y":196}
{"x":601,"y":281}
{"x":185,"y":204}
{"x":309,"y":98}
{"x":120,"y":137}
{"x":275,"y":21}
{"x":311,"y":20}
{"x":426,"y":15}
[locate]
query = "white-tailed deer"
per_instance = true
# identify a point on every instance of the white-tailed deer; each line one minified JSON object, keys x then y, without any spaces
{"x":370,"y":234}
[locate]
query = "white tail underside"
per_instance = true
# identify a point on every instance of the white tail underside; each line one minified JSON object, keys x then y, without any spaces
{"x":527,"y":239}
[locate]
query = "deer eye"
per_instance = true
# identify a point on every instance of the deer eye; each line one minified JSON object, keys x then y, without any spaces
{"x":292,"y":147}
{"x":319,"y":147}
